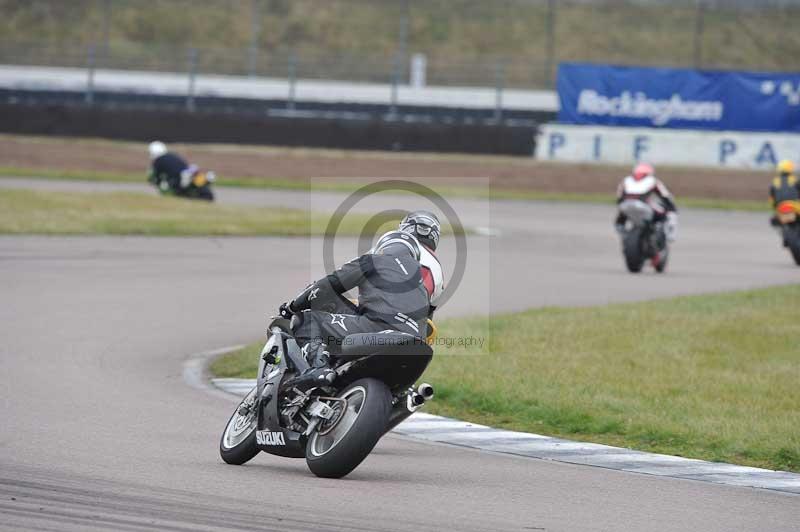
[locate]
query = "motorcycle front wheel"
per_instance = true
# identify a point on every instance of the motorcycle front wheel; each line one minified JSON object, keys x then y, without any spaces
{"x":205,"y":193}
{"x":339,"y":444}
{"x":663,"y":259}
{"x":238,"y":442}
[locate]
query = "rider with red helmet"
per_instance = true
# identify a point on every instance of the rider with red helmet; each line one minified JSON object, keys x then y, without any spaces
{"x":643,"y":185}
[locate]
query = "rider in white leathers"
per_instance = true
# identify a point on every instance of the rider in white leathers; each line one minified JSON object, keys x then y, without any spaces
{"x":643,"y":186}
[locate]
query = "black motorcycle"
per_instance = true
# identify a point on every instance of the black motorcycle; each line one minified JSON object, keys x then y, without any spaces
{"x":334,"y":427}
{"x":643,"y":238}
{"x":788,"y":223}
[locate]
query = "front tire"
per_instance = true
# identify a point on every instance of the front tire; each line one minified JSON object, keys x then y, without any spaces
{"x":205,"y":193}
{"x":238,"y":442}
{"x":632,"y":249}
{"x":338,"y":446}
{"x":663,"y":258}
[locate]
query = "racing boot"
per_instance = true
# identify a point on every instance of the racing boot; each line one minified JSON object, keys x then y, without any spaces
{"x":320,"y":372}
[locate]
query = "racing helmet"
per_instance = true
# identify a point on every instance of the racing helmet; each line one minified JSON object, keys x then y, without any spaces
{"x":397,"y":238}
{"x":425,"y":227}
{"x":642,"y":170}
{"x":156,"y":149}
{"x":785,"y":167}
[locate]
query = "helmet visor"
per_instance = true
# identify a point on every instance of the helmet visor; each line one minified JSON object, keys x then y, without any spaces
{"x":423,"y":229}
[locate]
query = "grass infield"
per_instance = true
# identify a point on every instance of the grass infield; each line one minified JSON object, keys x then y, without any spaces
{"x":339,"y":186}
{"x":125,"y":213}
{"x":713,"y":377}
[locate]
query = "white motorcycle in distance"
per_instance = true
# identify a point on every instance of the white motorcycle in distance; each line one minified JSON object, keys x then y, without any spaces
{"x":643,"y":237}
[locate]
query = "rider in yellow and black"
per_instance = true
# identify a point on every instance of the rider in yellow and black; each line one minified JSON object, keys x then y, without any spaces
{"x":784,"y":187}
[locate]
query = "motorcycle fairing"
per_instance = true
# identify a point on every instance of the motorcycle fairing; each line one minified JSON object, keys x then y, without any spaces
{"x":283,"y":349}
{"x":637,"y":211}
{"x":787,"y":211}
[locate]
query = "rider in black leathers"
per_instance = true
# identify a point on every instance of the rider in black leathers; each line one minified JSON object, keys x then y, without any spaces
{"x":168,"y":170}
{"x":391,"y":296}
{"x":785,"y":185}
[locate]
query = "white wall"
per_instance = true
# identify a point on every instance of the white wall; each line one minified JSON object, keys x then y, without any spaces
{"x":312,"y":90}
{"x":660,"y":146}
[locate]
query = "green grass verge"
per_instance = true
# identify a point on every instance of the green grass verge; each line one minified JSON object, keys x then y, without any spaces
{"x":124,"y":213}
{"x":241,"y":364}
{"x":712,"y":377}
{"x":338,"y":186}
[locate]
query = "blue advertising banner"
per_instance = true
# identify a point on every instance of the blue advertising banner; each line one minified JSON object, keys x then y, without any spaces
{"x":678,"y":98}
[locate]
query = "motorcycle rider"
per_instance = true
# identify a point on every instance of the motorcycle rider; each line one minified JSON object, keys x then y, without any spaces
{"x":784,"y":187}
{"x":398,"y":280}
{"x":168,"y":170}
{"x":643,"y":185}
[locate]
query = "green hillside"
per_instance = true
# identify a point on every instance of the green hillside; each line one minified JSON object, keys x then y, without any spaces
{"x":465,"y":40}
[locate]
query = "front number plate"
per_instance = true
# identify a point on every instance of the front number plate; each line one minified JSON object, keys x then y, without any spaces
{"x":266,"y":437}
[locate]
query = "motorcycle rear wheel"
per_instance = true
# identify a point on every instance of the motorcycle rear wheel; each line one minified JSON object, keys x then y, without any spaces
{"x":238,"y":442}
{"x":338,"y":446}
{"x":793,"y":239}
{"x":632,"y":249}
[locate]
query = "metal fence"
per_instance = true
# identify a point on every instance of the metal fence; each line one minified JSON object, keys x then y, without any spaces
{"x":502,"y":43}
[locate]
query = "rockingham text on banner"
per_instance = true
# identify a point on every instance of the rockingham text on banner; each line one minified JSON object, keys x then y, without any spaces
{"x":678,"y":98}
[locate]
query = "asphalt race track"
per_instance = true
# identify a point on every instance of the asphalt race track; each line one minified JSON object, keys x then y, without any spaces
{"x":100,"y":431}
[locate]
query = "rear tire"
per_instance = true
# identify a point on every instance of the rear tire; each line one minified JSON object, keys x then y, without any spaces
{"x":238,"y":442}
{"x":632,"y":249}
{"x":330,"y":455}
{"x":793,"y":239}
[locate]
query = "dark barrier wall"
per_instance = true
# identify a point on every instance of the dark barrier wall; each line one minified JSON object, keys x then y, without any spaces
{"x":182,"y":126}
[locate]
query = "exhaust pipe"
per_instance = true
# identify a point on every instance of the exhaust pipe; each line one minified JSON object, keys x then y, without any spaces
{"x":425,"y":390}
{"x":414,"y":401}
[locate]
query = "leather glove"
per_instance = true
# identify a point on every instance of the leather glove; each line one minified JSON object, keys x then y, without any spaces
{"x":285,"y":310}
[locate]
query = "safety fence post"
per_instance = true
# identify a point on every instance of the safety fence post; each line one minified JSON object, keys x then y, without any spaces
{"x":192,"y":75}
{"x":292,"y":76}
{"x":255,"y":32}
{"x":499,"y":85}
{"x":90,"y":67}
{"x":699,"y":29}
{"x":399,"y":57}
{"x":397,"y":66}
{"x":550,"y":44}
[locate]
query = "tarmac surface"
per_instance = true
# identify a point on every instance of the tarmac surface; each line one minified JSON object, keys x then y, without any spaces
{"x":100,"y":431}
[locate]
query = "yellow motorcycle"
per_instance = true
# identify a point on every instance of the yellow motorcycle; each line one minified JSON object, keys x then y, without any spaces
{"x":195,"y":184}
{"x":788,"y":221}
